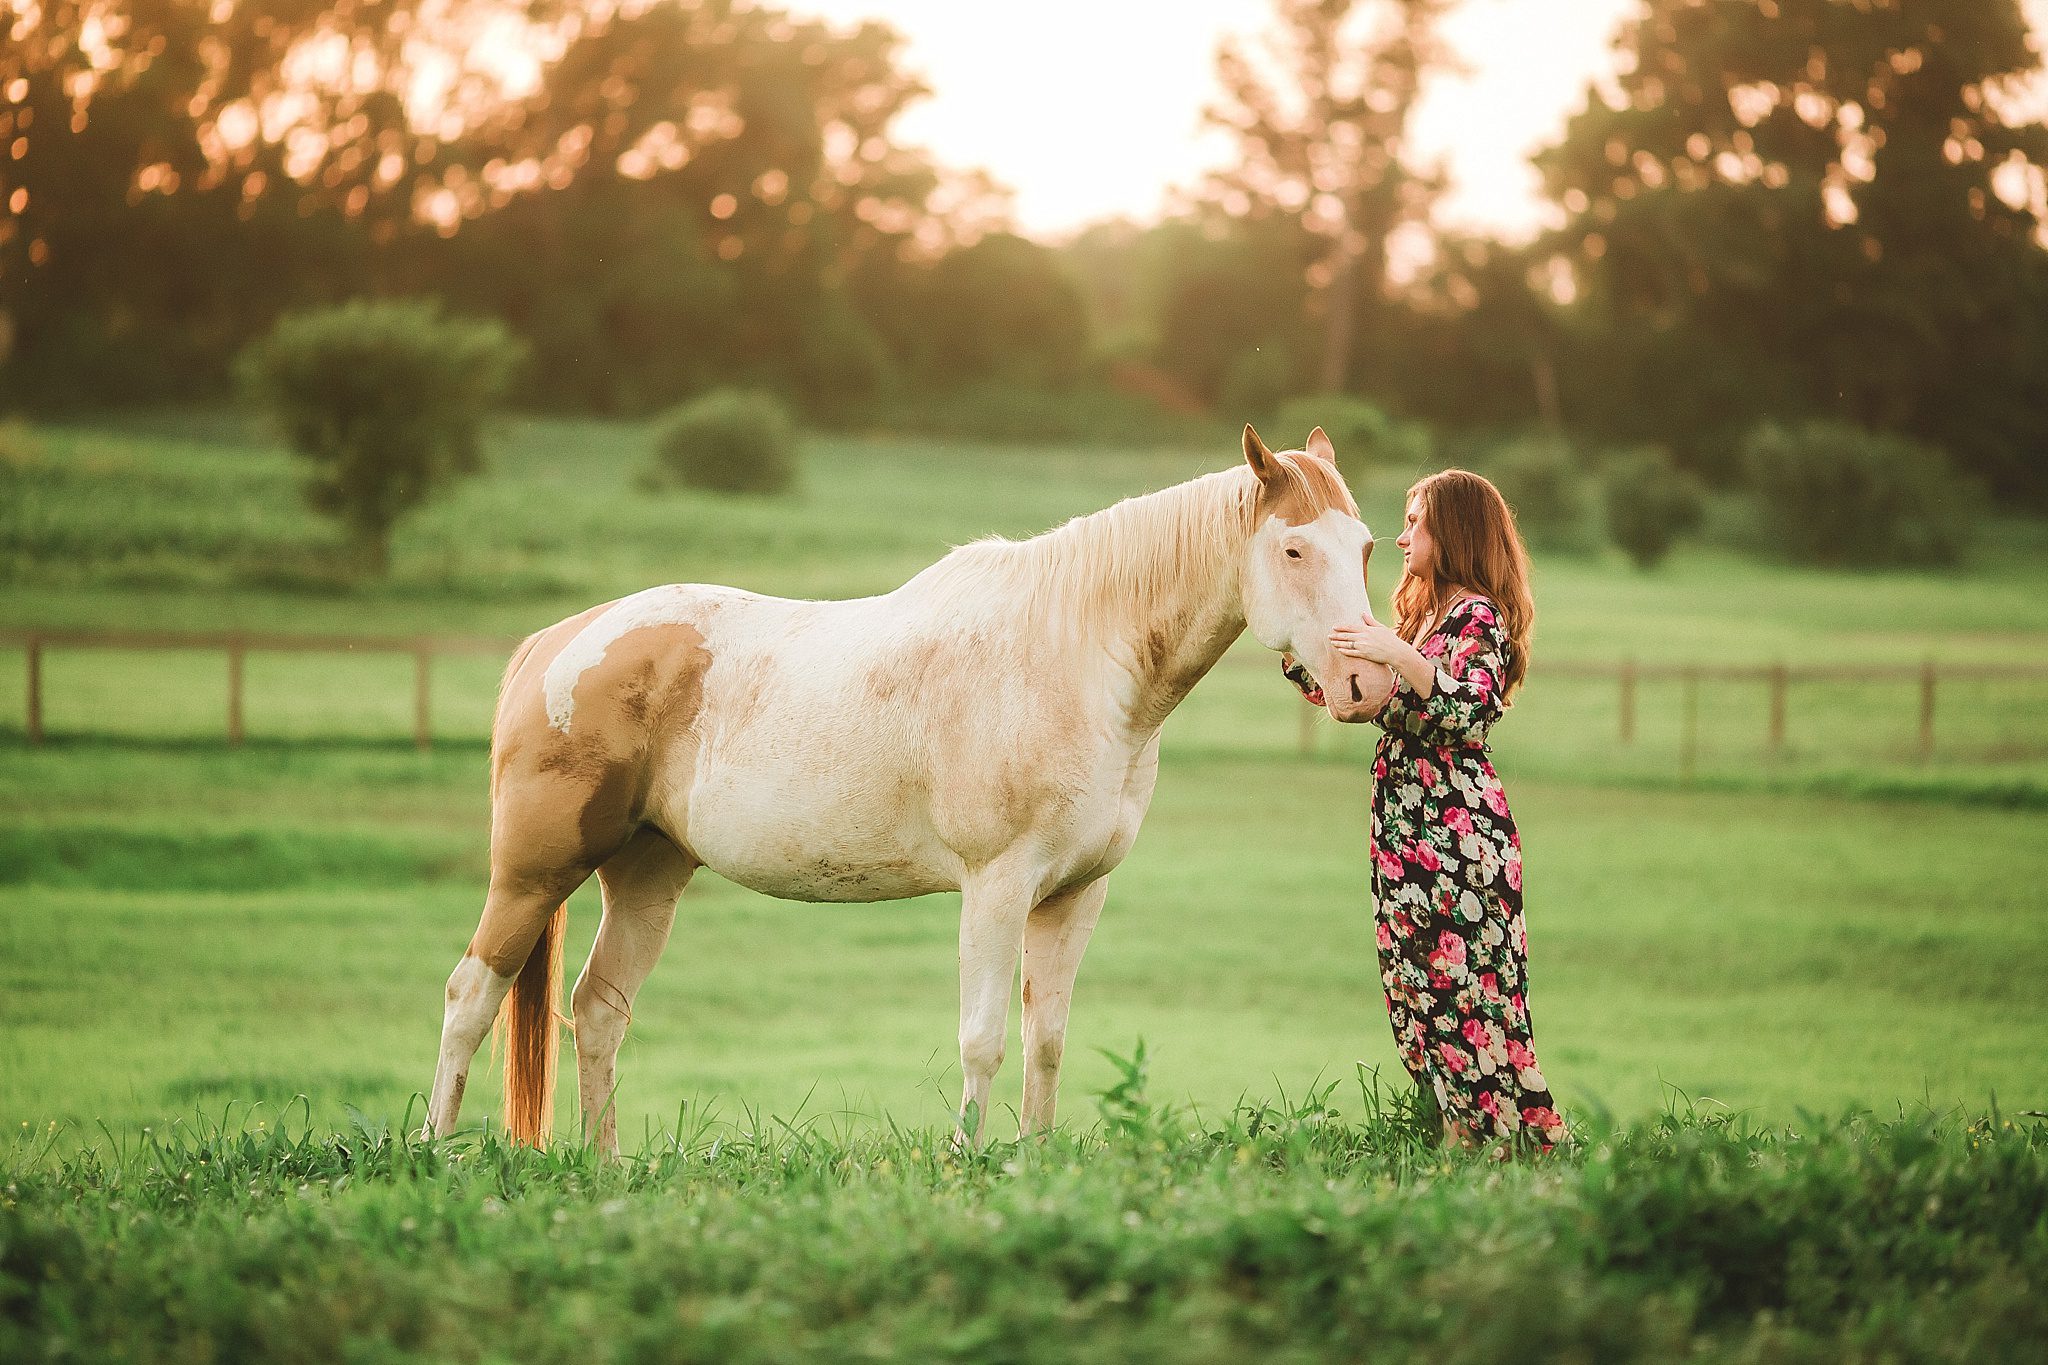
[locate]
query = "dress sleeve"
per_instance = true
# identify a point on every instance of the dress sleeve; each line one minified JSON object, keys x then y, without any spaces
{"x":1467,"y":698}
{"x":1292,"y":670}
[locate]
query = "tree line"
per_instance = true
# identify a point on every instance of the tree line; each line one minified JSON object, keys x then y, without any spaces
{"x":1776,"y":211}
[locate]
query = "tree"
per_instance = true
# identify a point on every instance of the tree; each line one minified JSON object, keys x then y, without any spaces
{"x":386,"y":399}
{"x":174,"y":172}
{"x":1811,"y":207}
{"x":686,"y":200}
{"x":1321,"y":115}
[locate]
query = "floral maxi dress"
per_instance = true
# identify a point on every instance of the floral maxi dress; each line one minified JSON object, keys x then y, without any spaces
{"x":1447,"y":892}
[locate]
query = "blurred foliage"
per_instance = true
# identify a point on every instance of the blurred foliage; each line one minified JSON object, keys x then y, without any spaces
{"x":1365,"y":437}
{"x":1319,"y":111}
{"x":728,"y":441}
{"x":1547,"y":487}
{"x":1829,"y":493}
{"x":1809,"y":209}
{"x":387,"y":399}
{"x":1648,"y":503}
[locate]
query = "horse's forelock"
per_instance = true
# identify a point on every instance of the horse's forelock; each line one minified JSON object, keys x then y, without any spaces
{"x":1312,"y":487}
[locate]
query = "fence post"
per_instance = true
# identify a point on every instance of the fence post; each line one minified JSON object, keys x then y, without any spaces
{"x":236,"y":649}
{"x":1628,"y":701}
{"x":1927,"y":711}
{"x":422,"y":713}
{"x":1689,"y":735}
{"x":35,"y":689}
{"x":1779,"y":678}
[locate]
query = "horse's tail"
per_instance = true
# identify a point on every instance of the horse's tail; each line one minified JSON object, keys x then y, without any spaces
{"x":532,"y":1042}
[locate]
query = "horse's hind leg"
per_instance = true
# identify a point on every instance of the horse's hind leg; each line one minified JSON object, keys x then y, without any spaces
{"x":641,"y":883}
{"x":512,"y":923}
{"x":1055,"y":936}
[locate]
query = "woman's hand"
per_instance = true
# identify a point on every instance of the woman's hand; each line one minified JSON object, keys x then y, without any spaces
{"x":1371,"y":641}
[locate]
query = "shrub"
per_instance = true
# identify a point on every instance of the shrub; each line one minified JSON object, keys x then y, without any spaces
{"x":1830,"y":493}
{"x":1543,"y":482}
{"x":728,"y":441}
{"x":1364,"y":435}
{"x":386,"y":398}
{"x":1649,"y":503}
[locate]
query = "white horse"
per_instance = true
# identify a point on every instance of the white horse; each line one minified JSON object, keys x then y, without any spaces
{"x":991,"y":726}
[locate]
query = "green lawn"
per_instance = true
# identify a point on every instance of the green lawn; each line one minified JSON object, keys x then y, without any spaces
{"x":186,"y":928}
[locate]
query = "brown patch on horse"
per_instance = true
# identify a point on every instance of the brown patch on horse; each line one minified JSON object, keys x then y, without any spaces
{"x":1303,"y":489}
{"x":562,"y":803}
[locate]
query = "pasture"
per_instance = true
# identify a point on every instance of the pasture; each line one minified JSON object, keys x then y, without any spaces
{"x":188,"y":930}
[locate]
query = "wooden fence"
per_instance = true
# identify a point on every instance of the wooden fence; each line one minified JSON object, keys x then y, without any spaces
{"x":238,"y":645}
{"x":1627,"y":675}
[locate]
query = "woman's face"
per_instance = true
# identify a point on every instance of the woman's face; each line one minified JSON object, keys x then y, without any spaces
{"x":1416,"y":546}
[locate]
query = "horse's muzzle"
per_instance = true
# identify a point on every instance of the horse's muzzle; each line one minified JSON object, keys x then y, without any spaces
{"x":1358,"y":690}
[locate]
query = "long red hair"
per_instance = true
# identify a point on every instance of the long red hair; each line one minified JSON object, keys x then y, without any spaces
{"x":1476,"y":548}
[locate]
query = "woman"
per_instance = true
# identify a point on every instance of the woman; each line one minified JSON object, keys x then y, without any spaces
{"x":1447,"y":862}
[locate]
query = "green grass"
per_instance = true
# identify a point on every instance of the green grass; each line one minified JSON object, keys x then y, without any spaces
{"x":186,"y":924}
{"x":1267,"y":1232}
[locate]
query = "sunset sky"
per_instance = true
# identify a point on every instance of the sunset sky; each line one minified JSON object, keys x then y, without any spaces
{"x":1092,"y":108}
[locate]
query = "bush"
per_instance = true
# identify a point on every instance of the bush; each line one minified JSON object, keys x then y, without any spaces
{"x":728,"y":441}
{"x":386,"y":398}
{"x":1829,"y":493}
{"x":1364,"y":435}
{"x":1543,"y":482}
{"x":1649,"y":503}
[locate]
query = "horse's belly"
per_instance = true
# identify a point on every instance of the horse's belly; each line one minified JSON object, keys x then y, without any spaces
{"x":839,"y":848}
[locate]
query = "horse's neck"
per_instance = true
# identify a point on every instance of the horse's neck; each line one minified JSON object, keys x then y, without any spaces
{"x":1173,"y":652}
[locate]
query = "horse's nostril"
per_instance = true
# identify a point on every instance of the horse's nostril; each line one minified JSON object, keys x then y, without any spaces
{"x":1356,"y":695}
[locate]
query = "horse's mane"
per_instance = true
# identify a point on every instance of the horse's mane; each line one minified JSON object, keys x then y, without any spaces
{"x":1103,"y":568}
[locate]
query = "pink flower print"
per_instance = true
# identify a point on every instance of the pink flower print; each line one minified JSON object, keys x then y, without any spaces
{"x":1489,"y":985}
{"x":1424,"y":857}
{"x":1425,"y":773}
{"x":1379,"y":769}
{"x":1386,"y":937}
{"x":1388,"y":864}
{"x":1483,"y":614}
{"x":1513,"y":869}
{"x":1475,"y":1033}
{"x":1496,"y":798}
{"x":1489,"y":1105}
{"x":1519,"y":1054}
{"x":1457,"y":1061}
{"x":1450,"y":952}
{"x":1544,"y":1119}
{"x":1459,"y":819}
{"x":1439,"y":982}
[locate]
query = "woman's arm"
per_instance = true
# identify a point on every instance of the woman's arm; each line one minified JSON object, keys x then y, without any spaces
{"x":1448,"y":704}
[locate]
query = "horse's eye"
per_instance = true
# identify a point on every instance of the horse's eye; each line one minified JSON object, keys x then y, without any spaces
{"x":1293,"y":554}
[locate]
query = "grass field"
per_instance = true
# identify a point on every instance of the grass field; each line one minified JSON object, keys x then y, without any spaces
{"x":191,"y":934}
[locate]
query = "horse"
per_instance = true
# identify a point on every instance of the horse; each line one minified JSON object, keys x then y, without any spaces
{"x":991,"y":726}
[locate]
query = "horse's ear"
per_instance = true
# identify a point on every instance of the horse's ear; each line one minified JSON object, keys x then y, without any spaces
{"x":1320,"y":447}
{"x":1258,"y":457}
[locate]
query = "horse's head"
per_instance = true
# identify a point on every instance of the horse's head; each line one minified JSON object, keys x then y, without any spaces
{"x":1304,"y":571}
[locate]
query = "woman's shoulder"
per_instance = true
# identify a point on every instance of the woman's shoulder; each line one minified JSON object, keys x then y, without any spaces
{"x":1474,"y":609}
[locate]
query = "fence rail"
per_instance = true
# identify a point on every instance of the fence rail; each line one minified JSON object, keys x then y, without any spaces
{"x":1627,"y":675}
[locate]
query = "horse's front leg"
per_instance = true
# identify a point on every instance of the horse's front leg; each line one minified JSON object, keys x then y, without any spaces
{"x":1055,"y":936}
{"x":992,"y":913}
